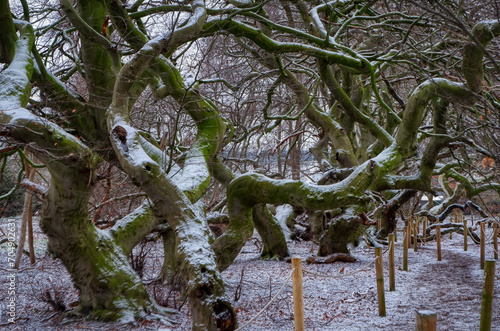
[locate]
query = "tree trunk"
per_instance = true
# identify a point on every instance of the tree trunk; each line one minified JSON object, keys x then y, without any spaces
{"x":295,"y":152}
{"x":316,"y":220}
{"x":169,"y":267}
{"x":273,"y":239}
{"x":108,"y":287}
{"x":390,"y":210}
{"x":26,"y":220}
{"x":249,"y":190}
{"x":342,"y":232}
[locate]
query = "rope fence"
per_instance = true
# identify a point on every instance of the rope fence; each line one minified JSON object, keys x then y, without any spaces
{"x":287,"y":278}
{"x":346,"y":275}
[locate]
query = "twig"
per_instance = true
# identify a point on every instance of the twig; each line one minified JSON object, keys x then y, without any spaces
{"x":237,"y":293}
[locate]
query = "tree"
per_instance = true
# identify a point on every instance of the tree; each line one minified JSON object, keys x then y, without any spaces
{"x":359,"y":82}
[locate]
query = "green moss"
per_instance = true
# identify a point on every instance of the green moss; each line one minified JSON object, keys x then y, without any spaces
{"x":228,"y":246}
{"x":8,"y":36}
{"x":342,"y":233}
{"x":273,"y":240}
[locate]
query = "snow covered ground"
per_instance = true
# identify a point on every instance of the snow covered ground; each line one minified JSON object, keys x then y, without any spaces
{"x":452,"y":288}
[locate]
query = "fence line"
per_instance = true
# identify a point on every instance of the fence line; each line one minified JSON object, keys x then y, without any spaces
{"x":309,"y":272}
{"x":346,"y":275}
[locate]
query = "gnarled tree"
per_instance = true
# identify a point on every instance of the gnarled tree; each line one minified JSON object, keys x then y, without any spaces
{"x":181,"y":97}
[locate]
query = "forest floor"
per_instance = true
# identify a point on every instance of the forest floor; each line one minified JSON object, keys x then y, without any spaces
{"x":452,"y":288}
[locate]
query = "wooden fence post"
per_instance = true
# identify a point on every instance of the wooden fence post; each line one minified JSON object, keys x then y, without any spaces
{"x":408,"y":232}
{"x":452,"y":221}
{"x":426,"y":320}
{"x":298,"y":296}
{"x":495,"y":240}
{"x":396,"y":232}
{"x":483,"y":244}
{"x":438,"y":242}
{"x":465,"y":234}
{"x":392,"y":267}
{"x":487,"y":297}
{"x":379,"y":267}
{"x":405,"y":249}
{"x":415,"y":235}
{"x":424,"y":230}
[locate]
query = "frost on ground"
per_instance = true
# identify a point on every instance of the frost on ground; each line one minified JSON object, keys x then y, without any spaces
{"x":452,"y":288}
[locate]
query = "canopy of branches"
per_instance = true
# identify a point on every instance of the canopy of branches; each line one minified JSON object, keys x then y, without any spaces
{"x":161,"y":116}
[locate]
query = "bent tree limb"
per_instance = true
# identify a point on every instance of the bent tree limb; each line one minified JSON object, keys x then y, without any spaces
{"x":110,"y":289}
{"x":203,"y":283}
{"x":273,"y":238}
{"x":341,"y":101}
{"x":390,"y":210}
{"x":210,"y":133}
{"x":247,"y":191}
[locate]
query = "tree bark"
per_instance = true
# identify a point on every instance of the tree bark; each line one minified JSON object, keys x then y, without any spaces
{"x":342,"y":233}
{"x":273,"y":239}
{"x":390,"y":210}
{"x":108,"y":287}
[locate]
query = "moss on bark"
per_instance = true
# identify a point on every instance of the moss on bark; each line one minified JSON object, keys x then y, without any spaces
{"x":342,"y":233}
{"x":108,"y":287}
{"x":8,"y":36}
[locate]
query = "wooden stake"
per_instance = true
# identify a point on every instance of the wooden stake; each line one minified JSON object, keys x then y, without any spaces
{"x":392,"y":267}
{"x":379,"y":224}
{"x":408,"y":232}
{"x":426,"y":320}
{"x":483,"y":244}
{"x":405,"y":249}
{"x":487,"y":297}
{"x":438,"y":242}
{"x":380,"y":282}
{"x":415,"y":237}
{"x":298,"y":296}
{"x":495,"y":240}
{"x":396,"y":232}
{"x":424,"y":230}
{"x":466,"y":230}
{"x":453,"y":220}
